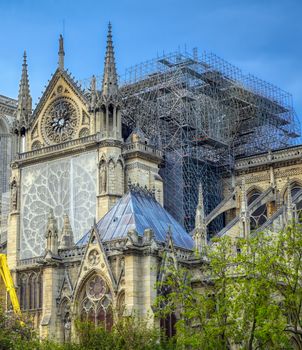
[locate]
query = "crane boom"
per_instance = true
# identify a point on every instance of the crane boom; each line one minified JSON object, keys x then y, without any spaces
{"x":9,"y":284}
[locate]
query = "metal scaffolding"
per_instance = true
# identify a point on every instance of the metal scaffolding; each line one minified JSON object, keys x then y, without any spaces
{"x":203,"y":113}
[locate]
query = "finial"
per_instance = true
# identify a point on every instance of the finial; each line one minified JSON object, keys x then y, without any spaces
{"x":24,"y":108}
{"x":93,"y":92}
{"x":61,"y":52}
{"x":200,"y":194}
{"x":110,"y":85}
{"x":200,"y":214}
{"x":93,"y":84}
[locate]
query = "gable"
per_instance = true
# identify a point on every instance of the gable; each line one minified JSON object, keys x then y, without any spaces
{"x":94,"y":261}
{"x":61,"y":115}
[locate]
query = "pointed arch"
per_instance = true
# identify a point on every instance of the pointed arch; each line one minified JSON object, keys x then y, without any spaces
{"x":111,"y":176}
{"x":94,"y":299}
{"x":120,"y":176}
{"x":253,"y":193}
{"x":295,"y":185}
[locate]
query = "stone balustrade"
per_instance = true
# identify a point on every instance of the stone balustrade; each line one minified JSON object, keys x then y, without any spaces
{"x":73,"y":252}
{"x":58,"y":147}
{"x":29,"y":261}
{"x":140,"y":147}
{"x":269,"y":158}
{"x":85,"y":141}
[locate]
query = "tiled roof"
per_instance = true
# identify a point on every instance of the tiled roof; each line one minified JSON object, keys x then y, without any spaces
{"x":138,"y":210}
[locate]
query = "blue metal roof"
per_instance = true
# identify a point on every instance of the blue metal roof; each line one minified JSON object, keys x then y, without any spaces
{"x":138,"y":210}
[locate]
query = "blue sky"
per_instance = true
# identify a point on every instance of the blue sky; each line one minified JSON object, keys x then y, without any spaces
{"x":263,"y":37}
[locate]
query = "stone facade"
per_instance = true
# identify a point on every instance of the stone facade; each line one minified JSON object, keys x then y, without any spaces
{"x":88,"y":236}
{"x":7,"y":152}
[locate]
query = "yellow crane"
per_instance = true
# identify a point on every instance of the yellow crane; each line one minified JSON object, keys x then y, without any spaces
{"x":9,"y":284}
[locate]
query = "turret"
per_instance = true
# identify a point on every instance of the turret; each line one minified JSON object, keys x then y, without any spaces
{"x":109,"y":123}
{"x":51,"y":235}
{"x":66,"y":240}
{"x":200,"y":231}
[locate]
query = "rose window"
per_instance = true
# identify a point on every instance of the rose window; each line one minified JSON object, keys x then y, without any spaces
{"x":60,"y":121}
{"x":96,"y":288}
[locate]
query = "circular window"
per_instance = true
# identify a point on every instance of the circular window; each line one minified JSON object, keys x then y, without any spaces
{"x":96,"y":288}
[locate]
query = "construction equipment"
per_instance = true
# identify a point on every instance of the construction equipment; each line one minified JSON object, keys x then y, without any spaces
{"x":9,"y":284}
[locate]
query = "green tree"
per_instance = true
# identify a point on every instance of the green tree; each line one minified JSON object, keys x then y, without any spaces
{"x":251,"y":294}
{"x":286,"y":273}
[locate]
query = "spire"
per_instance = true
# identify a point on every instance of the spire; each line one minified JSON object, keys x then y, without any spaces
{"x":200,"y":215}
{"x":24,"y":107}
{"x":93,"y":92}
{"x":61,"y":52}
{"x":66,"y":240}
{"x":109,"y":86}
{"x":200,"y":231}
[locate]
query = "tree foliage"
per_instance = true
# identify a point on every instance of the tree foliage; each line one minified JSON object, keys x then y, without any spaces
{"x":250,"y":296}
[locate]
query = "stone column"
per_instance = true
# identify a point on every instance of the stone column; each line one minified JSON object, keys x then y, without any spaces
{"x":133,"y":277}
{"x":13,"y":229}
{"x":148,"y":287}
{"x":49,"y":306}
{"x":107,"y":121}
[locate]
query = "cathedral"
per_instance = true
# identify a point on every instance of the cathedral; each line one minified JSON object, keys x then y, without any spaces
{"x":89,"y":230}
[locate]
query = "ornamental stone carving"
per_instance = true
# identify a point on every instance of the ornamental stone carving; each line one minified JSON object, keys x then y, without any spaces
{"x":103,"y":178}
{"x":60,"y":121}
{"x":14,"y":195}
{"x":96,"y":288}
{"x":94,"y":257}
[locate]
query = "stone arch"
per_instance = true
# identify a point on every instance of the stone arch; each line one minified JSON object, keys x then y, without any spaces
{"x":259,"y":215}
{"x":4,"y":125}
{"x":95,"y":299}
{"x":120,"y":303}
{"x":30,"y":290}
{"x":23,"y":291}
{"x":65,"y":318}
{"x":84,"y":132}
{"x":167,"y":323}
{"x":111,"y":176}
{"x":254,"y":189}
{"x":103,"y":175}
{"x":295,"y":184}
{"x":120,"y":176}
{"x":36,"y":145}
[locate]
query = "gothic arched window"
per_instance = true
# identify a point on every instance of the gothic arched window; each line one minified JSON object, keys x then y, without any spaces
{"x":258,"y":216}
{"x":167,"y":322}
{"x":30,"y":290}
{"x":96,"y":305}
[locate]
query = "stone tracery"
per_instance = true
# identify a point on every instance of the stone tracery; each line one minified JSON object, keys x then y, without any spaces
{"x":60,"y":121}
{"x":66,"y":186}
{"x":96,"y":302}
